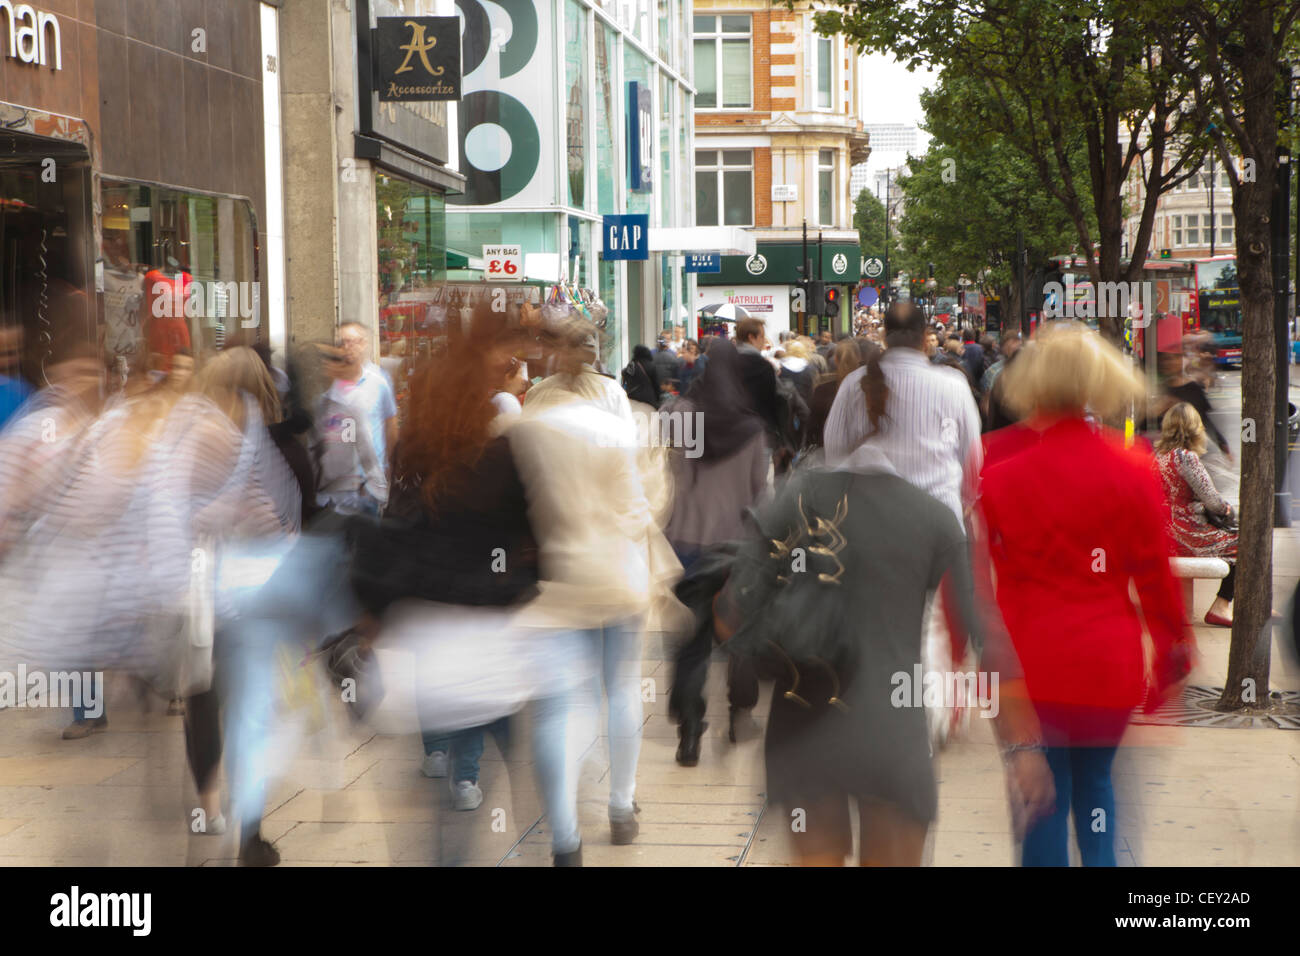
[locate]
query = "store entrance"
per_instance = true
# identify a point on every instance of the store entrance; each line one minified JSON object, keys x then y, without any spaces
{"x":45,"y":251}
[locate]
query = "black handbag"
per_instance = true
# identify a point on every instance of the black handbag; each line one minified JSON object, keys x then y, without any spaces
{"x":790,"y":584}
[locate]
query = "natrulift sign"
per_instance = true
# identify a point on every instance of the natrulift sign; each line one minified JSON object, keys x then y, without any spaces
{"x":417,"y":59}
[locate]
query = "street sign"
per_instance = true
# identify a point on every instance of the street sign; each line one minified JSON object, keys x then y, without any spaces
{"x":785,"y":193}
{"x":626,"y":237}
{"x":704,"y":262}
{"x":873,"y":268}
{"x":503,"y":263}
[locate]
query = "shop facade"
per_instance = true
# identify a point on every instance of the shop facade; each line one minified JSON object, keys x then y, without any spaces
{"x":366,"y":179}
{"x":133,"y":181}
{"x":763,"y":284}
{"x":585,"y":112}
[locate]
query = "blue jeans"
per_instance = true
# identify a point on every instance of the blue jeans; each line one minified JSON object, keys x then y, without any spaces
{"x":306,"y":598}
{"x":562,"y":728}
{"x":463,"y":748}
{"x":1081,"y":749}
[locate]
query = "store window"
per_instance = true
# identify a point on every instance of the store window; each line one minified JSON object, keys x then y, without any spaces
{"x":575,"y":50}
{"x":179,"y":272}
{"x":412,"y":241}
{"x":668,"y":188}
{"x":607,"y":118}
{"x":825,"y":59}
{"x":46,"y":247}
{"x":665,"y":48}
{"x":723,"y":62}
{"x":826,"y":187}
{"x":636,"y":67}
{"x":724,"y":187}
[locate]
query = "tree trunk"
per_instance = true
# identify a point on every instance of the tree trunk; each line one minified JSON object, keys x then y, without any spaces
{"x":1248,"y":664}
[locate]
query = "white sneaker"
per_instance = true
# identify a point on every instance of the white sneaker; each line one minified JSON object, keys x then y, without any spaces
{"x":435,"y":765}
{"x":466,"y":795}
{"x":216,"y":826}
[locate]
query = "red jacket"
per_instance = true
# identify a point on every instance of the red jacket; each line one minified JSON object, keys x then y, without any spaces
{"x":1072,"y":516}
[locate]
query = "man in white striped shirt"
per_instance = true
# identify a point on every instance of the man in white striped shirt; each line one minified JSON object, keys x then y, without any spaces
{"x":928,"y":426}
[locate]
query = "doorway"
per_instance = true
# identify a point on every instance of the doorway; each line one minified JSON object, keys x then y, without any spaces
{"x":45,"y":251}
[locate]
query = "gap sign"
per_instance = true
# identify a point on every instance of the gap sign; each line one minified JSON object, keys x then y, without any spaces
{"x":626,"y":237}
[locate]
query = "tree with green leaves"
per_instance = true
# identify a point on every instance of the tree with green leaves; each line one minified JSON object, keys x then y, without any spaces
{"x":966,"y":200}
{"x":1058,"y":73}
{"x":1240,"y":100}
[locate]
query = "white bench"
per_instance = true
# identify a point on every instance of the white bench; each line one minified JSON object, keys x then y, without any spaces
{"x":1188,"y":570}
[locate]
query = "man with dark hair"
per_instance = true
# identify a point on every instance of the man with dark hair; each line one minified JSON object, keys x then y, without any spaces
{"x":928,"y":426}
{"x":972,"y":357}
{"x":757,"y":373}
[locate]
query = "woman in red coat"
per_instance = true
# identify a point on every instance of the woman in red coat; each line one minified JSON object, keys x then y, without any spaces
{"x":1071,"y":517}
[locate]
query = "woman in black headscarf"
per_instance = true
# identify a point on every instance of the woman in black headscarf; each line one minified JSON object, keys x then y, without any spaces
{"x":640,"y":380}
{"x":721,"y":467}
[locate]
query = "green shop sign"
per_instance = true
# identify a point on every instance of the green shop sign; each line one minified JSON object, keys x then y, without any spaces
{"x":777,"y":263}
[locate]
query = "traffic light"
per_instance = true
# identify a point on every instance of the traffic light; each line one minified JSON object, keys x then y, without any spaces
{"x":816,"y":296}
{"x":831,"y":301}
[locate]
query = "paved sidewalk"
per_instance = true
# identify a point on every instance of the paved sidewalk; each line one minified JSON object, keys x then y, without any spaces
{"x":353,"y":796}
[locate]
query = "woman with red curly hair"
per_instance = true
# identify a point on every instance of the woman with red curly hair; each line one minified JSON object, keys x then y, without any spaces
{"x":454,"y":477}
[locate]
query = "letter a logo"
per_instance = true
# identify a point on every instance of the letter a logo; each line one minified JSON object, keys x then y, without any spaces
{"x":418,"y":46}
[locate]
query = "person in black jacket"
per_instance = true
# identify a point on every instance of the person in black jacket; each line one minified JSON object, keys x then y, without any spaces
{"x":468,"y":541}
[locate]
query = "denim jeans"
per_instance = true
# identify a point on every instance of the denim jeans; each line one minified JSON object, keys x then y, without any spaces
{"x":563,"y":725}
{"x":1081,"y":748}
{"x":306,"y":598}
{"x":463,"y":748}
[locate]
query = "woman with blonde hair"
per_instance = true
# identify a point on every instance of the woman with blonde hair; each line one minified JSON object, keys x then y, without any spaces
{"x":236,"y":508}
{"x":1192,"y":497}
{"x":1071,"y":517}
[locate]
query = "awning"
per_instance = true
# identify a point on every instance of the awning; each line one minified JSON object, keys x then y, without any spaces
{"x":728,"y":240}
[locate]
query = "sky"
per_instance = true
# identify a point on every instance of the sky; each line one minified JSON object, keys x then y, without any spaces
{"x":890,"y":94}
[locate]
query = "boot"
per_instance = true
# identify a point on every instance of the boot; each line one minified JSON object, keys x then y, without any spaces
{"x":688,"y":750}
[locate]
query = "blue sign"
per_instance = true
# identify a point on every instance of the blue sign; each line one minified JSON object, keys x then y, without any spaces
{"x":704,"y":262}
{"x":626,"y":237}
{"x":640,"y":138}
{"x":868,"y":296}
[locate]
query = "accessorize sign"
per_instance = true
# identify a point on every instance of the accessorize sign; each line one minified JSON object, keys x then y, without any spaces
{"x":417,"y":59}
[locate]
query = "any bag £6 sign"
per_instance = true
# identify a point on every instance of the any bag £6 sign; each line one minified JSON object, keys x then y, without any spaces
{"x":503,"y":263}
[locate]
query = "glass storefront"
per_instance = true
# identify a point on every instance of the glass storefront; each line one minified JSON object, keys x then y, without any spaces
{"x":412,"y":259}
{"x":575,"y":73}
{"x":179,"y":271}
{"x":607,"y":124}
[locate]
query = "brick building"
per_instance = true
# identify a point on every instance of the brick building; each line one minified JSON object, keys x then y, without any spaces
{"x":777,"y":132}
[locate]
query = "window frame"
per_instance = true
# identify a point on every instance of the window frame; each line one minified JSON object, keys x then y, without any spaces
{"x":817,"y":42}
{"x":718,"y":36}
{"x":717,"y":169}
{"x":831,"y":168}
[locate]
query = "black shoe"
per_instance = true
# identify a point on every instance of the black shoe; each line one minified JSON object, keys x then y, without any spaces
{"x":570,"y":859}
{"x":258,"y":852}
{"x":688,"y":751}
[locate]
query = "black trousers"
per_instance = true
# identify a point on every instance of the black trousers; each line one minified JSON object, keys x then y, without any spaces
{"x":1228,"y":587}
{"x":690,"y":673}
